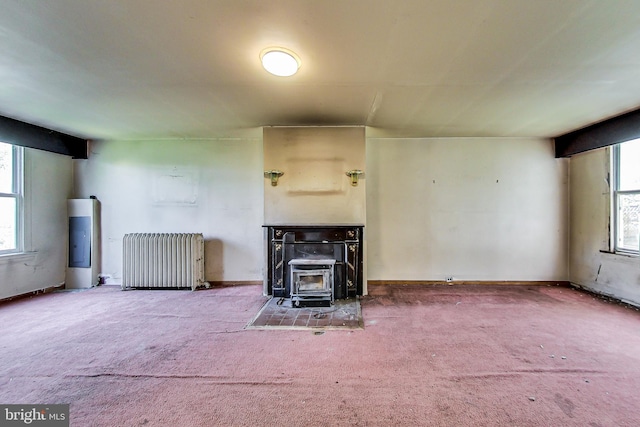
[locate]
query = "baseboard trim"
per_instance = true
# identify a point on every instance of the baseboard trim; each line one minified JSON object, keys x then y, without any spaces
{"x":33,"y":293}
{"x":606,"y":297}
{"x":564,"y":283}
{"x":228,"y":283}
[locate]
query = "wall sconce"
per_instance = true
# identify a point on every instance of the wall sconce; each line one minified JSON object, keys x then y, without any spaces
{"x":354,"y":174}
{"x":273,"y":175}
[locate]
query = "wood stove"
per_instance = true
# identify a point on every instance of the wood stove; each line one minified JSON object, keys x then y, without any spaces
{"x":311,"y":281}
{"x":305,"y":248}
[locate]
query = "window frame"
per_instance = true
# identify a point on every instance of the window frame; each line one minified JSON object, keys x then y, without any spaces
{"x":17,"y":193}
{"x":616,"y":193}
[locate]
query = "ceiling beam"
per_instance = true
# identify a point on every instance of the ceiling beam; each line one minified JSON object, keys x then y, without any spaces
{"x":27,"y":135}
{"x":609,"y":132}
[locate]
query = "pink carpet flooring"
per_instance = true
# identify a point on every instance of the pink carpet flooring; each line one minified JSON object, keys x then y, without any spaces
{"x":428,"y":355}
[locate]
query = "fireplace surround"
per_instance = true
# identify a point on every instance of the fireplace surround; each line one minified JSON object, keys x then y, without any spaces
{"x":312,"y":254}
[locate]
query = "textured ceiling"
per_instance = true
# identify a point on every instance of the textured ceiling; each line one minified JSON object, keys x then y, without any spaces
{"x":131,"y":69}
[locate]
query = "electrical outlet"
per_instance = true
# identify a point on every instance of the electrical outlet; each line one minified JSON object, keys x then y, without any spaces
{"x":449,"y":279}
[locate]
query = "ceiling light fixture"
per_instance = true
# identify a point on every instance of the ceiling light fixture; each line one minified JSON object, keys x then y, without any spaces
{"x":280,"y":61}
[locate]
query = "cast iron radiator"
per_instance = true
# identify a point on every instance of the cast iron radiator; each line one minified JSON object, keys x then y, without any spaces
{"x":163,"y":260}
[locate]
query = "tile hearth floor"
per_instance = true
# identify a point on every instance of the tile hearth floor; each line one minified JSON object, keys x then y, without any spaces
{"x":343,"y":314}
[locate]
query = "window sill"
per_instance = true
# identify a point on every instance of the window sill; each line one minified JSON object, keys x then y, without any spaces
{"x":622,"y":254}
{"x":17,"y":257}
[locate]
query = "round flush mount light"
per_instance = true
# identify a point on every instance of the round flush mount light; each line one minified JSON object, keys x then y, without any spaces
{"x":280,"y":61}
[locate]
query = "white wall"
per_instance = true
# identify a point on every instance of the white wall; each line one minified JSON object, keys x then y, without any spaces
{"x":472,"y":209}
{"x":211,"y":186}
{"x":591,"y":264}
{"x":314,"y":188}
{"x":48,"y":185}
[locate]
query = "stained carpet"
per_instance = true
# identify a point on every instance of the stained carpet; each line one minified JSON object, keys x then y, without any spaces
{"x":439,"y":356}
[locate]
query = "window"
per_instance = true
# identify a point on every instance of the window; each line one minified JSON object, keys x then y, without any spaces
{"x":626,"y":173}
{"x":10,"y":198}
